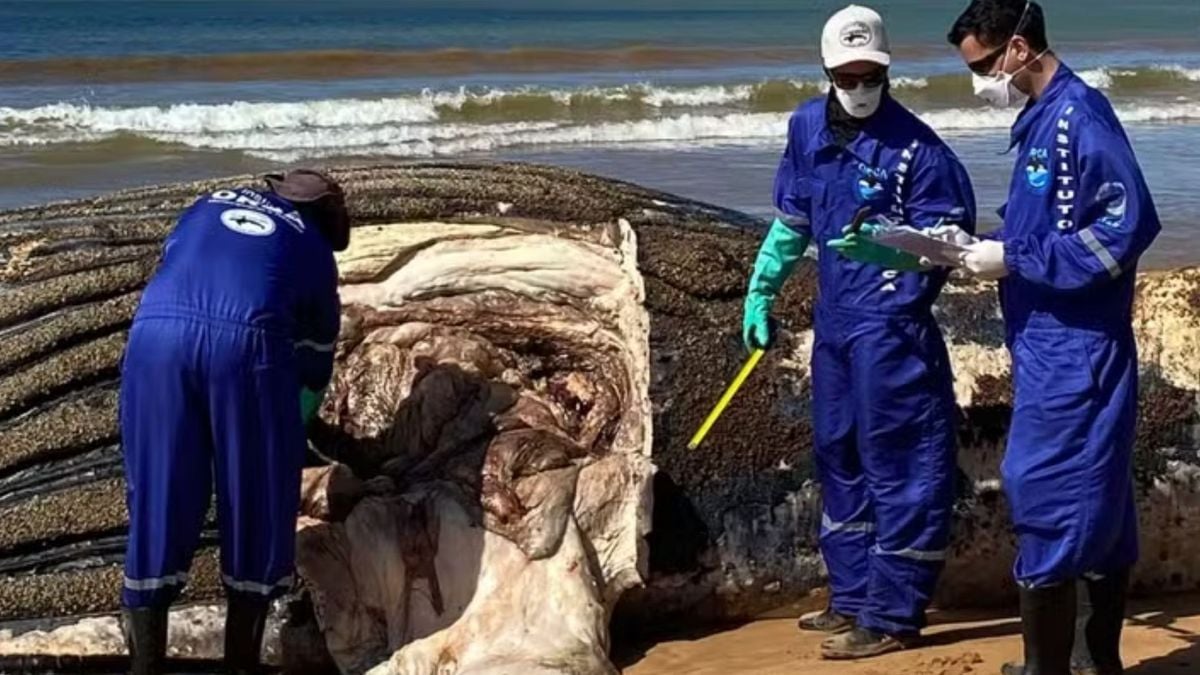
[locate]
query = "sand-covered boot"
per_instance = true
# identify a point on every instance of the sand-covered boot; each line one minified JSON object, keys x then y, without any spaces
{"x":860,"y":643}
{"x":826,"y":621}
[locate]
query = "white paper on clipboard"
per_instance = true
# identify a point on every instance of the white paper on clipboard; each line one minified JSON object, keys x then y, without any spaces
{"x":911,"y":241}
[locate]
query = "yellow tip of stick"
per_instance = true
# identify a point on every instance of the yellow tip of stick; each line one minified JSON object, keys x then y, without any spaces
{"x":730,"y":391}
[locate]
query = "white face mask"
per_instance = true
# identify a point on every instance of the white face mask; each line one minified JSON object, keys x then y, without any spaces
{"x":861,"y":101}
{"x":998,"y":89}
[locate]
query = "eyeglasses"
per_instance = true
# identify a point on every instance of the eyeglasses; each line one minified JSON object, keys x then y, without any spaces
{"x":848,"y":81}
{"x":984,"y":65}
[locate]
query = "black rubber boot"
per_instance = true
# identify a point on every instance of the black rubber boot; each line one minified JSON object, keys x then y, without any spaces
{"x":1098,"y":622}
{"x":244,"y":623}
{"x":146,"y":638}
{"x":1047,"y":629}
{"x":1081,"y":657}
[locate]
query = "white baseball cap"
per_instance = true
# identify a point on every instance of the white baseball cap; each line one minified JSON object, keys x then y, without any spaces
{"x":855,"y":34}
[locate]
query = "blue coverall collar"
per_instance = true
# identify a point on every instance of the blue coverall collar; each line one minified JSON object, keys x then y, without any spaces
{"x":1032,"y":113}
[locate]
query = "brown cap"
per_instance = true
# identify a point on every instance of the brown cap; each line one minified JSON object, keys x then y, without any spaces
{"x":303,"y":185}
{"x":320,"y":201}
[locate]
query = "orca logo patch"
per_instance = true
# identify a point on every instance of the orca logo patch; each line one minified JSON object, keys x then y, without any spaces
{"x":856,"y":34}
{"x":245,"y":221}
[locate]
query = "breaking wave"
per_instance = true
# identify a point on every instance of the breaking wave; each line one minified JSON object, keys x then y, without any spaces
{"x":447,"y":122}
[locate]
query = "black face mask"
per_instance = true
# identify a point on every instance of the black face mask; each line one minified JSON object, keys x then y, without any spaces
{"x":844,"y":126}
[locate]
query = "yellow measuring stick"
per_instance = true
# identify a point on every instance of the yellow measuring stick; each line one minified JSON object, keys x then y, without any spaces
{"x":730,"y":391}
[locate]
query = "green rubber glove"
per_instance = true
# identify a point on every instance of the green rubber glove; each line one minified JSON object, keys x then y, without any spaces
{"x":777,"y":257}
{"x":310,"y":402}
{"x":859,"y":246}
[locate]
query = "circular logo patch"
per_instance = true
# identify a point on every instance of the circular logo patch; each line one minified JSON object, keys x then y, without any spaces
{"x":1037,"y":170}
{"x":856,"y":34}
{"x":244,"y":221}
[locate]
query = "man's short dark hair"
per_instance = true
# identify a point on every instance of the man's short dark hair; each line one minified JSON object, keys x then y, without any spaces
{"x":994,"y":22}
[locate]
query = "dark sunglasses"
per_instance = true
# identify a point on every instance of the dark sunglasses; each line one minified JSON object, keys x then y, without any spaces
{"x":847,"y":81}
{"x":984,"y":66}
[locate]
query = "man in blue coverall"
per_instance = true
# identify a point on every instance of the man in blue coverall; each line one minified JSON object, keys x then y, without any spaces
{"x":883,"y":402}
{"x":241,"y":315}
{"x":1078,"y":217}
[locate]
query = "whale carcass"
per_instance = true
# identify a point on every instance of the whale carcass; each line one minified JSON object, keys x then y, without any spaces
{"x":499,"y":470}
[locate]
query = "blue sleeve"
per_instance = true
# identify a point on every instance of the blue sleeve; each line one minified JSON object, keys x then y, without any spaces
{"x":941,"y":192}
{"x":318,"y":325}
{"x":1114,"y":218}
{"x":793,"y":200}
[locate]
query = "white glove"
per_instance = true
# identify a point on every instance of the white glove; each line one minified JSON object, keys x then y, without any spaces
{"x":951,"y":234}
{"x":985,"y":259}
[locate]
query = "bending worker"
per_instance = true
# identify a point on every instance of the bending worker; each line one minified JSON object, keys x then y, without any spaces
{"x":883,"y":402}
{"x":1078,"y":217}
{"x":242,"y":314}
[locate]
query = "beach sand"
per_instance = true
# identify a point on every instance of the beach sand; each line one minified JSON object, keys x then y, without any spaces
{"x":1162,"y":637}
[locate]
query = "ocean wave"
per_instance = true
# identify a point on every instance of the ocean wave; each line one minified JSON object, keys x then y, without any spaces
{"x":454,"y":139}
{"x":629,"y":102}
{"x":463,"y":105}
{"x":698,"y":96}
{"x":429,"y":122}
{"x":992,"y":118}
{"x":224,"y":117}
{"x":1132,"y":81}
{"x":1191,"y":74}
{"x":1100,"y":78}
{"x":684,"y":129}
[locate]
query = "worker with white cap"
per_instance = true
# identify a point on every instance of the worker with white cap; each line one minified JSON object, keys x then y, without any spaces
{"x":883,"y":401}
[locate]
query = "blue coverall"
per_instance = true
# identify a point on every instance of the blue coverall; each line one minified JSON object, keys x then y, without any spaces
{"x":241,"y":313}
{"x":1078,"y":216}
{"x":883,"y":400}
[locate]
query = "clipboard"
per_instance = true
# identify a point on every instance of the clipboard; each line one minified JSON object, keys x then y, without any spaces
{"x":942,"y":253}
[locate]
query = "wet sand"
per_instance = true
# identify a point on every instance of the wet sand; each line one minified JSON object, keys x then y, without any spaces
{"x":1162,"y":637}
